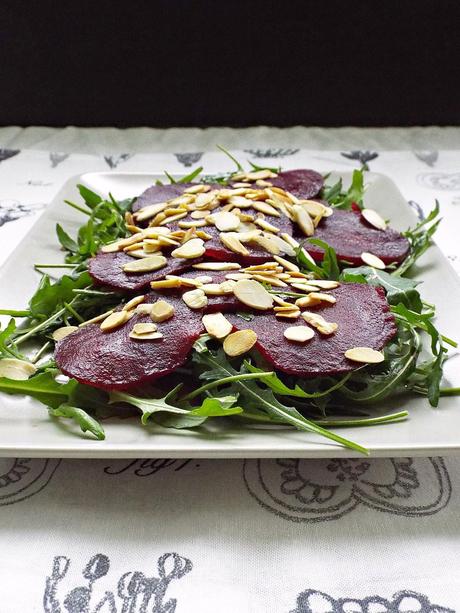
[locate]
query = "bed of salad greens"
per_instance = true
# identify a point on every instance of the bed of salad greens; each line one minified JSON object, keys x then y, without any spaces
{"x":242,"y":388}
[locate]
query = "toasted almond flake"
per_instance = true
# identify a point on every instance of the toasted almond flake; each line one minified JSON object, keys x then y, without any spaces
{"x":247,"y":236}
{"x":217,"y":325}
{"x":202,"y":279}
{"x":156,"y":232}
{"x":279,"y":301}
{"x":143,"y":309}
{"x":171,"y":212}
{"x":267,"y":244}
{"x":231,"y":241}
{"x":189,"y":234}
{"x":324,"y":283}
{"x":224,"y":222}
{"x":133,"y":229}
{"x":197,"y":189}
{"x":265,"y":225}
{"x":307,"y":301}
{"x":97,"y":319}
{"x":129,"y":219}
{"x":284,"y":247}
{"x":183,"y":281}
{"x":199,"y":214}
{"x":241,"y":202}
{"x":263,"y":183}
{"x":151,"y":245}
{"x":286,"y":264}
{"x":213,"y":289}
{"x":253,"y":294}
{"x":269,"y":265}
{"x":161,"y":311}
{"x":372,"y":260}
{"x":303,"y":220}
{"x":329,"y":298}
{"x":204,"y":235}
{"x":112,"y":247}
{"x":115,"y":320}
{"x":299,"y":334}
{"x":144,"y":328}
{"x":374,"y":219}
{"x":19,"y":370}
{"x":236,"y":276}
{"x":239,"y":342}
{"x":313,"y":208}
{"x":195,"y":298}
{"x":166,"y":283}
{"x":291,"y":314}
{"x":132,"y":304}
{"x":318,"y":322}
{"x":151,"y":336}
{"x":217,"y":266}
{"x":366,"y":355}
{"x":258,"y":175}
{"x":304,"y":287}
{"x":196,"y":223}
{"x":150,"y":211}
{"x":61,"y":333}
{"x":236,"y":185}
{"x":181,"y":200}
{"x":265,"y":208}
{"x":269,"y":279}
{"x":202,"y":200}
{"x":285,"y":308}
{"x":173,"y":218}
{"x":153,"y":262}
{"x":193,"y":248}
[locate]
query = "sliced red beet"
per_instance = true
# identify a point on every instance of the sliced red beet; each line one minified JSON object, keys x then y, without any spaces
{"x":364,"y":319}
{"x":302,"y":183}
{"x":107,"y":269}
{"x":159,"y":193}
{"x":112,"y":360}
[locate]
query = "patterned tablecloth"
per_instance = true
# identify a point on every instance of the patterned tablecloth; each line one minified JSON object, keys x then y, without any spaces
{"x":298,"y":536}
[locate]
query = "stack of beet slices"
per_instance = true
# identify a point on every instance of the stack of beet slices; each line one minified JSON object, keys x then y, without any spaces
{"x":116,"y":357}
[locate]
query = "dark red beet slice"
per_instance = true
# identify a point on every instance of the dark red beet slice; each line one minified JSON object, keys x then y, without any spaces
{"x":112,"y":360}
{"x":106,"y":269}
{"x":349,"y":234}
{"x":159,"y":193}
{"x":364,"y":320}
{"x":302,"y":183}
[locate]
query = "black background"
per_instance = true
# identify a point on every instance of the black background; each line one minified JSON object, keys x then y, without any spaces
{"x":179,"y":63}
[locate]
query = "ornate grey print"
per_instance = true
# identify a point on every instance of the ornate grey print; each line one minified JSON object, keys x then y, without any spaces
{"x":406,"y":601}
{"x":57,"y":158}
{"x":271,"y":153}
{"x":10,"y":210}
{"x":363,"y":157}
{"x":21,"y":478}
{"x":322,"y":490}
{"x":427,"y":157}
{"x":114,"y":160}
{"x":133,"y":592}
{"x":188,"y":159}
{"x":6,"y":154}
{"x":445,"y":181}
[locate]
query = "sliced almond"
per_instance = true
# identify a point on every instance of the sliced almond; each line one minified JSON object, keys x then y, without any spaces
{"x":19,"y":370}
{"x":61,"y":333}
{"x":199,"y":214}
{"x":173,"y":218}
{"x":269,"y":279}
{"x":217,"y":266}
{"x":239,"y":342}
{"x":148,"y":264}
{"x":372,"y":260}
{"x":150,"y":211}
{"x":253,"y":294}
{"x":166,"y":283}
{"x":286,"y":264}
{"x":150,"y":336}
{"x":182,"y":200}
{"x":280,"y":302}
{"x":299,"y":334}
{"x":307,"y":301}
{"x":304,"y":287}
{"x":366,"y":355}
{"x":115,"y":320}
{"x":97,"y":319}
{"x":161,"y":311}
{"x":269,"y":265}
{"x":231,"y":241}
{"x":224,"y":222}
{"x":316,"y":209}
{"x":202,"y":200}
{"x":329,"y":298}
{"x":374,"y":219}
{"x":324,"y":283}
{"x":217,"y":325}
{"x":143,"y":309}
{"x":267,"y":244}
{"x":241,"y":185}
{"x":259,"y":175}
{"x":144,"y":328}
{"x":303,"y":220}
{"x":193,"y":248}
{"x":112,"y":247}
{"x":202,"y":279}
{"x":197,"y":189}
{"x":213,"y":289}
{"x":284,"y":247}
{"x":183,"y":281}
{"x":291,"y":314}
{"x":237,"y":276}
{"x":132,"y":304}
{"x":195,"y":299}
{"x":196,"y":223}
{"x":318,"y":322}
{"x":267,"y":209}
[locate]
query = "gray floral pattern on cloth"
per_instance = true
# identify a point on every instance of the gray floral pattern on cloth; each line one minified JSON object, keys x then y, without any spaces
{"x":21,"y":478}
{"x":133,"y":592}
{"x":427,"y":157}
{"x":405,"y":601}
{"x":271,"y":153}
{"x":10,"y":210}
{"x":313,"y":491}
{"x":417,"y":209}
{"x":114,"y":160}
{"x":446,"y":181}
{"x":188,"y":159}
{"x":6,"y":154}
{"x":363,"y":157}
{"x":57,"y":158}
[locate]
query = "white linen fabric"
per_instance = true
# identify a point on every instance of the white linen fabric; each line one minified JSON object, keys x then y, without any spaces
{"x":298,"y":536}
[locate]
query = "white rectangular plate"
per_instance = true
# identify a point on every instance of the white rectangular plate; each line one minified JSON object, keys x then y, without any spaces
{"x":26,"y":429}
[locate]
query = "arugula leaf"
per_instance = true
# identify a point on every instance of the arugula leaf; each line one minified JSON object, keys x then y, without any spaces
{"x":91,"y":198}
{"x":420,"y":238}
{"x":192,"y":175}
{"x":43,"y":387}
{"x":6,"y":335}
{"x":339,"y":199}
{"x":398,"y":289}
{"x":66,"y":241}
{"x":148,"y":406}
{"x":86,"y":422}
{"x":52,"y":296}
{"x":329,"y":264}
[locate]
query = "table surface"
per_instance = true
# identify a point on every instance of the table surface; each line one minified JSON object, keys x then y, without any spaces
{"x":271,"y":535}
